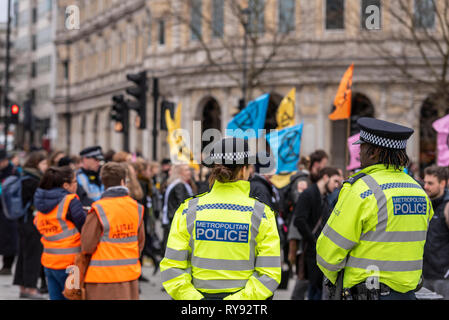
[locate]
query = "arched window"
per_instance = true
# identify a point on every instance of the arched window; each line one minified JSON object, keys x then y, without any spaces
{"x":209,"y":113}
{"x":427,"y":135}
{"x":361,"y":107}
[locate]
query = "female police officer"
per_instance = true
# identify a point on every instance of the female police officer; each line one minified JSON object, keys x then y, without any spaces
{"x":223,"y":244}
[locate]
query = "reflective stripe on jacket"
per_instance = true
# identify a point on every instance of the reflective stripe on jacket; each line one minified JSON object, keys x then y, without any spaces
{"x":223,"y":241}
{"x":60,"y":238}
{"x":116,"y":258}
{"x":378,"y":228}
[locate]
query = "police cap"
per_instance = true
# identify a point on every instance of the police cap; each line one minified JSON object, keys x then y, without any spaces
{"x":230,"y":152}
{"x":383,"y":133}
{"x":92,"y":152}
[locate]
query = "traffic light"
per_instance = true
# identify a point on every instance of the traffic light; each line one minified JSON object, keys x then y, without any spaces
{"x":139,"y":92}
{"x":28,"y":119}
{"x":119,"y":113}
{"x":14,"y":114}
{"x":166,"y":105}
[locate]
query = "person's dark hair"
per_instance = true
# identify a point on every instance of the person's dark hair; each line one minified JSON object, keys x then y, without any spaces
{"x":328,"y":171}
{"x":34,"y":159}
{"x":317,"y":156}
{"x":65,"y":161}
{"x":109,"y":155}
{"x":53,"y":156}
{"x":224,"y":173}
{"x":55,"y":177}
{"x":112,"y":173}
{"x":390,"y":157}
{"x":439,"y":172}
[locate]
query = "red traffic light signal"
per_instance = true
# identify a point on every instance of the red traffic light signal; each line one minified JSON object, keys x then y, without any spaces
{"x":15,"y":109}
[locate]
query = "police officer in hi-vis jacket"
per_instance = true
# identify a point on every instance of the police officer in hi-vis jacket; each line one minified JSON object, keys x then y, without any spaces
{"x":375,"y":236}
{"x":223,"y":244}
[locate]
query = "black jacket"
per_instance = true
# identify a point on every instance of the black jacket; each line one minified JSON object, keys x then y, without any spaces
{"x":308,"y":210}
{"x":262,"y":190}
{"x":177,"y":196}
{"x":436,"y":249}
{"x":8,"y":228}
{"x":29,"y":187}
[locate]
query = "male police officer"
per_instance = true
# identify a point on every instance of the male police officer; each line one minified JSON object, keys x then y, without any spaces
{"x":90,"y":187}
{"x":376,"y":234}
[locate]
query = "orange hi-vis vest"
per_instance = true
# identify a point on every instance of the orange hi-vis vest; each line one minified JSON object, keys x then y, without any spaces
{"x":116,"y":258}
{"x":60,"y":237}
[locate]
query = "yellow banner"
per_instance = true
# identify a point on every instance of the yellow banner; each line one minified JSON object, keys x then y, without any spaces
{"x":178,"y":148}
{"x":285,"y":116}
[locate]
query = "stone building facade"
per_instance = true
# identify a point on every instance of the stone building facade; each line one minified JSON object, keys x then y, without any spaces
{"x":321,"y":40}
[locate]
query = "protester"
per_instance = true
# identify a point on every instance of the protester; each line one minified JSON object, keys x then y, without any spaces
{"x":89,"y":183}
{"x":177,"y":191}
{"x":318,"y":160}
{"x":116,"y":216}
{"x":135,"y":191}
{"x":59,"y":219}
{"x":261,"y":186}
{"x":310,"y":218}
{"x":55,"y":157}
{"x":298,"y":183}
{"x":436,"y":250}
{"x":14,"y":159}
{"x":28,"y":267}
{"x":8,"y":228}
{"x":166,"y":166}
{"x":157,"y":197}
{"x":202,"y":179}
{"x":143,"y":171}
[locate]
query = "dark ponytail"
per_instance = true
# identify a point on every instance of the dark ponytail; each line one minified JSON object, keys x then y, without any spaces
{"x":56,"y":177}
{"x":224,"y":174}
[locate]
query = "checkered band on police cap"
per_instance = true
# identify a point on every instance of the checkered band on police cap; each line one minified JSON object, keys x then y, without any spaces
{"x":381,"y":141}
{"x":229,"y":151}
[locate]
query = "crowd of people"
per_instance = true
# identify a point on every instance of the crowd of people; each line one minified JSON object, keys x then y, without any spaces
{"x":67,"y":188}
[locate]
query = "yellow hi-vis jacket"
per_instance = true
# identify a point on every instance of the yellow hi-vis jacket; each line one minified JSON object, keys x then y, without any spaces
{"x":378,"y":229}
{"x":222,"y":241}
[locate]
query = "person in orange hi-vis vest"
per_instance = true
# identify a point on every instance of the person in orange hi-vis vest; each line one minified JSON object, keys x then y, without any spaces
{"x":59,"y":219}
{"x":114,"y":236}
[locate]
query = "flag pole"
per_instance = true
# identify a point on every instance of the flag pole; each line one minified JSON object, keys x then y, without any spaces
{"x":348,"y":133}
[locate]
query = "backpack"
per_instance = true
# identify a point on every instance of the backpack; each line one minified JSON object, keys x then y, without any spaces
{"x":11,"y":197}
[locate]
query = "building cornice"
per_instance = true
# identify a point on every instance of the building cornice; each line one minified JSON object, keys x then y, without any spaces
{"x":99,"y":23}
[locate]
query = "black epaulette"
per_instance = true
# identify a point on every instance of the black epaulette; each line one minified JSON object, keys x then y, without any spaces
{"x":256,"y":198}
{"x":352,"y":180}
{"x":196,"y":196}
{"x":200,"y":195}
